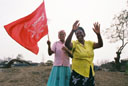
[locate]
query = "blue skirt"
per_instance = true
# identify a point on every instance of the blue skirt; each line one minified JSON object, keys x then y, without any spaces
{"x":60,"y":76}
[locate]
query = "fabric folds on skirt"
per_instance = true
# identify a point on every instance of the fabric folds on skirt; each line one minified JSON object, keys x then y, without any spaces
{"x":59,"y":76}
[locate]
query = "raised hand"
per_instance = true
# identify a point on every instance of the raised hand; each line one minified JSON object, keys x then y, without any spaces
{"x":48,"y":42}
{"x":75,"y":25}
{"x":68,"y":42}
{"x":96,"y":28}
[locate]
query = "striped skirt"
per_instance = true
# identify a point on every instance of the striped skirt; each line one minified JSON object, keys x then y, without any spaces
{"x":59,"y":76}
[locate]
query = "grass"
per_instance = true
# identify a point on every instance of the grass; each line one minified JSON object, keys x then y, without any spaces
{"x":38,"y":76}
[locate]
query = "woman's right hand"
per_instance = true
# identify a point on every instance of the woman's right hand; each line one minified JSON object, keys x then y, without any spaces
{"x":50,"y":52}
{"x":48,"y":42}
{"x":75,"y":25}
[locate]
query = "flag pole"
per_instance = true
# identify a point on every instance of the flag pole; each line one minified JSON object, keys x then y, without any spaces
{"x":48,"y":37}
{"x":48,"y":31}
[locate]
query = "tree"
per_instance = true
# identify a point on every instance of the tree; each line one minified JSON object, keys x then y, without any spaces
{"x":118,"y":31}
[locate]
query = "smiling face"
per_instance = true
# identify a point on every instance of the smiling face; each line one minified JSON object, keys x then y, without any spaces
{"x":80,"y":34}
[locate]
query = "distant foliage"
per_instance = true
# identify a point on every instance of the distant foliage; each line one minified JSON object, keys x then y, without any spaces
{"x":119,"y":28}
{"x":118,"y":31}
{"x":111,"y":66}
{"x":19,"y":56}
{"x":49,"y":62}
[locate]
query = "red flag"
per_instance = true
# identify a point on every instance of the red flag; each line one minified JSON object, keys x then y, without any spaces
{"x":28,"y":30}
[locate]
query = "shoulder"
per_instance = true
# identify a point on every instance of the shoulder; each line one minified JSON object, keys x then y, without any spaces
{"x":75,"y":42}
{"x":89,"y":42}
{"x":55,"y":42}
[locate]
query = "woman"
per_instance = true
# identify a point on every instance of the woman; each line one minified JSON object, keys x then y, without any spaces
{"x":60,"y":74}
{"x":82,"y":62}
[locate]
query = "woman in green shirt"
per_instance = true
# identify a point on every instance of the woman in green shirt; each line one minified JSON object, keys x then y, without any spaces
{"x":83,"y":55}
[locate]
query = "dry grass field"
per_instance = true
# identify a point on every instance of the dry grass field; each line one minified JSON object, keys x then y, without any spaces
{"x":38,"y":76}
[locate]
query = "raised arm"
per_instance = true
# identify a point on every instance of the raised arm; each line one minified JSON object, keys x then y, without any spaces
{"x":50,"y":52}
{"x":96,"y":29}
{"x":68,"y":43}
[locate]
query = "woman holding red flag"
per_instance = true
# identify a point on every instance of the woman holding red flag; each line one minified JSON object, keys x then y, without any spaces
{"x":60,"y":73}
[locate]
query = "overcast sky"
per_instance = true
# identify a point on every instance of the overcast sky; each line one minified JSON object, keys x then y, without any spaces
{"x":61,"y":14}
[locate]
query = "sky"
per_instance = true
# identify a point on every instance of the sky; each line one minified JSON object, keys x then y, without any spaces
{"x":61,"y":14}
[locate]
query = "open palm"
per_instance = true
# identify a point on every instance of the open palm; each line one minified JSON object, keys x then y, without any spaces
{"x":96,"y":28}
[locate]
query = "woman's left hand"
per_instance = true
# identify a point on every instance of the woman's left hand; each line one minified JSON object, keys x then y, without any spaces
{"x":96,"y":28}
{"x":64,"y":48}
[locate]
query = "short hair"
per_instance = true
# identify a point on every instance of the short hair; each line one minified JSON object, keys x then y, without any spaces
{"x":61,"y":31}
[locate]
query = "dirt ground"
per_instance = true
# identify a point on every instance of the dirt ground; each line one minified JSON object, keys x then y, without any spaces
{"x":38,"y":76}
